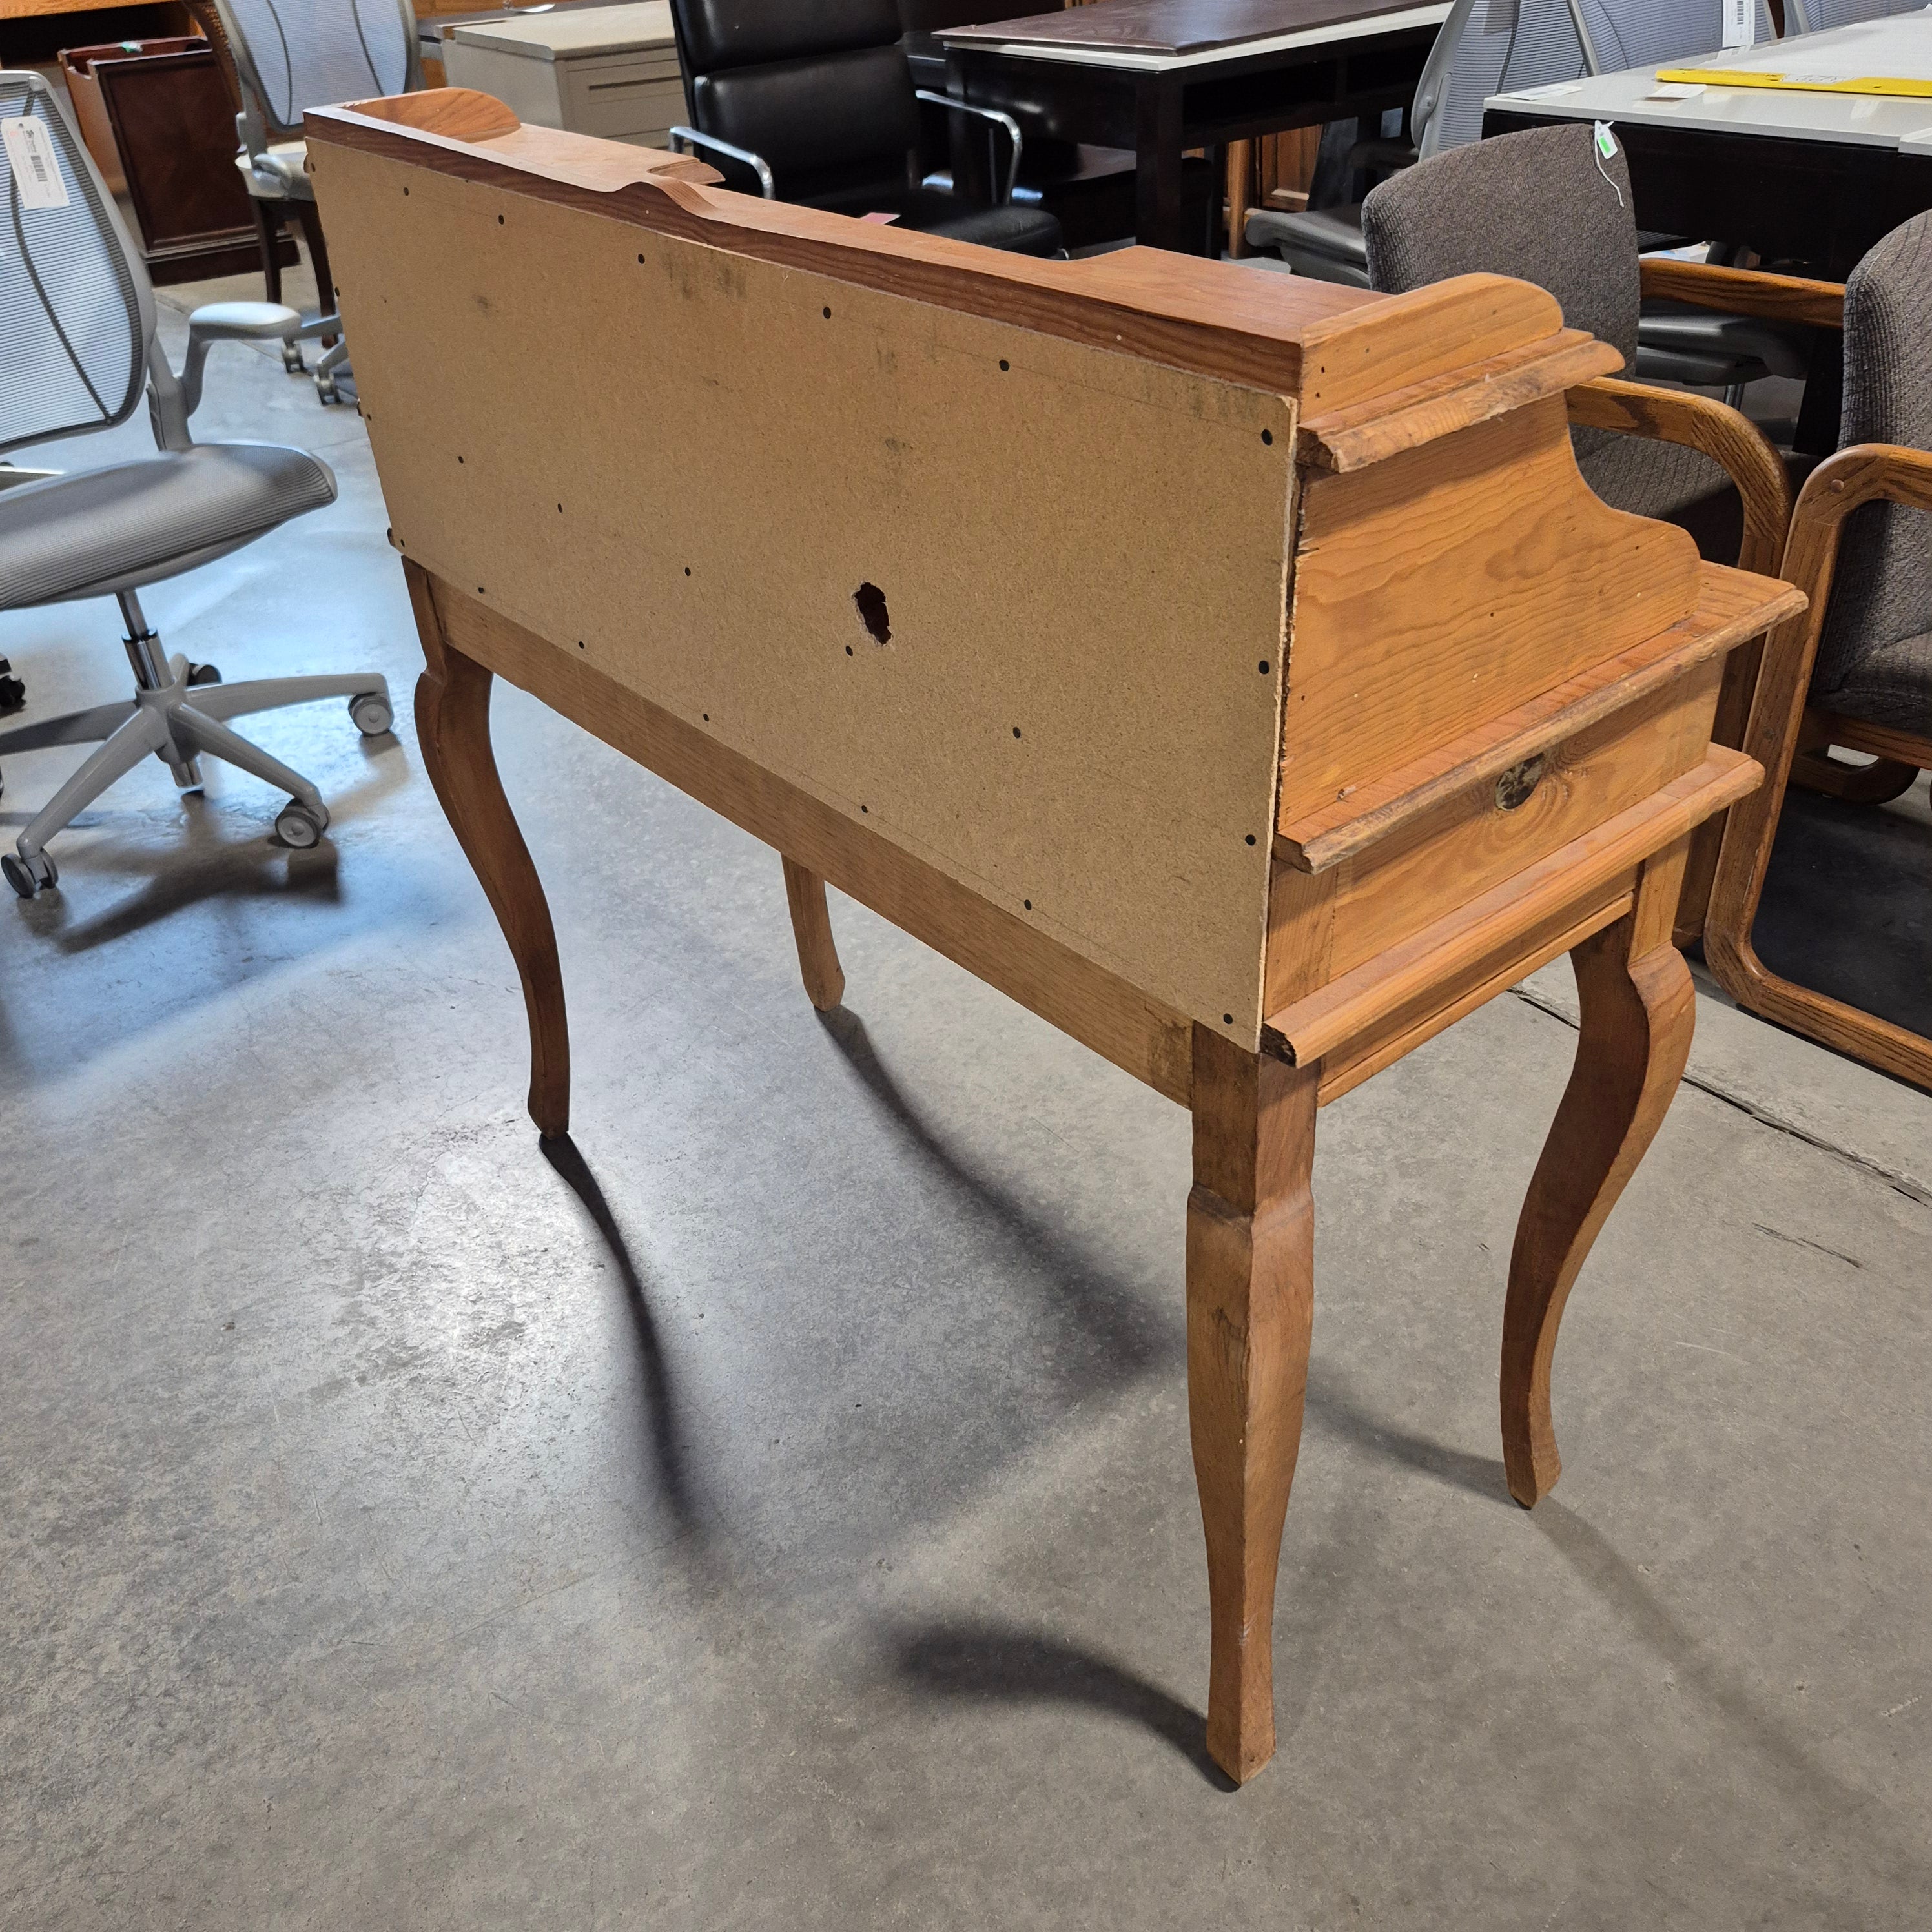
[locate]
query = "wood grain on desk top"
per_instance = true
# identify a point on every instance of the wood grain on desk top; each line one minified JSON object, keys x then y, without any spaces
{"x":1175,"y":26}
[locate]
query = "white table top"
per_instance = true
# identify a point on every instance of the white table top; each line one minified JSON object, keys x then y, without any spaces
{"x":578,"y":33}
{"x":1900,"y":48}
{"x":1431,"y":14}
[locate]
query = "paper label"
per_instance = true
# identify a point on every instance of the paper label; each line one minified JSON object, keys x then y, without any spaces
{"x":30,"y":154}
{"x":1606,"y":142}
{"x":1740,"y":23}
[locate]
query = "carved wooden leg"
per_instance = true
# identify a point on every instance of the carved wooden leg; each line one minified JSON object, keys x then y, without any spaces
{"x":1638,"y":1009}
{"x":453,"y":725}
{"x":1250,"y":1310}
{"x":811,"y":927}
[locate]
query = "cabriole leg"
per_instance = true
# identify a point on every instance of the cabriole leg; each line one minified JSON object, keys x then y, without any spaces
{"x":1250,"y":1312}
{"x":453,"y":723}
{"x":811,"y":927}
{"x":1638,"y":1010}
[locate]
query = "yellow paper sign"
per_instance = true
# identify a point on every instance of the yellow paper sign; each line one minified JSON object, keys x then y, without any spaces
{"x":1799,"y":83}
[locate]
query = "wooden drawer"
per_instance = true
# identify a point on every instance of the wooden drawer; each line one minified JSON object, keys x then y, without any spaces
{"x":1383,"y":861}
{"x":1497,"y":828}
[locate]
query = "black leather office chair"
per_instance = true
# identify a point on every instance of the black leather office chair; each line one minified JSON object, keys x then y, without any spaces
{"x":817,"y":105}
{"x":1089,"y":191}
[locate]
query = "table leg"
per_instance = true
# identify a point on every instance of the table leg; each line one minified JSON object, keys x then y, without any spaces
{"x":811,"y":927}
{"x":1638,"y":1010}
{"x":1250,"y":1312}
{"x":453,"y":727}
{"x":1816,"y":433}
{"x":1157,"y":222}
{"x":1240,"y":184}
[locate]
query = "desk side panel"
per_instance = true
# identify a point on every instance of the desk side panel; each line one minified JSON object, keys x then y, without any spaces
{"x":1012,"y":602}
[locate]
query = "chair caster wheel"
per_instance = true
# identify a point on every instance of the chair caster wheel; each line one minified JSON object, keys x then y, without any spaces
{"x":29,"y":876}
{"x":204,"y":673}
{"x":292,"y":359}
{"x":300,"y":826}
{"x":370,"y":710}
{"x":326,"y":391}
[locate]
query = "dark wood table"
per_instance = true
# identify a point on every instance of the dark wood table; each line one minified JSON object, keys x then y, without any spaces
{"x":1163,"y":76}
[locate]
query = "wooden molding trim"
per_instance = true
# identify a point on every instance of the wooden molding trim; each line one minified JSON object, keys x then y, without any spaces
{"x":460,"y":113}
{"x":1326,"y":1021}
{"x":1329,"y":345}
{"x":1731,"y":439}
{"x":1351,"y":438}
{"x":1793,"y":298}
{"x":1732,"y":606}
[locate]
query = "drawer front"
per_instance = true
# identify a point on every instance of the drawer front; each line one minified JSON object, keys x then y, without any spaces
{"x":1325,"y":925}
{"x":619,"y":103}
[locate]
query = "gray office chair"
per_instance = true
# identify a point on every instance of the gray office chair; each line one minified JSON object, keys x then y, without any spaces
{"x":77,"y":350}
{"x":1812,"y":17}
{"x":291,"y":55}
{"x":1480,"y":49}
{"x":1856,"y":670}
{"x":1544,"y":206}
{"x":1620,"y":34}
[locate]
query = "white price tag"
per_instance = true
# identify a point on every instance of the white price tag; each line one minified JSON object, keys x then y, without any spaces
{"x":1740,"y":23}
{"x":30,"y":154}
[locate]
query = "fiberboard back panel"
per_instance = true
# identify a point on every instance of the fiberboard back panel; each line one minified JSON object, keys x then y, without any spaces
{"x":671,"y":459}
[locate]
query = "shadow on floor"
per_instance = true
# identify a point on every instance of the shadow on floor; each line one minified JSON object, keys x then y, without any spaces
{"x":1112,"y":1316}
{"x":667,"y":1444}
{"x":1740,"y":1704}
{"x":1333,"y":1406}
{"x":984,"y":1661}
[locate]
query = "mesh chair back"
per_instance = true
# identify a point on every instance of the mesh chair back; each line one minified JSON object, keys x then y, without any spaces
{"x":1499,"y":45}
{"x":294,"y":55}
{"x":1647,"y":33}
{"x":76,"y":310}
{"x":1812,"y":17}
{"x":1882,"y":592}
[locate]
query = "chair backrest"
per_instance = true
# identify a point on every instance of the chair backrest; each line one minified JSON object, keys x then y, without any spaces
{"x":1487,"y":47}
{"x":1537,"y":206}
{"x":76,"y":312}
{"x":294,"y":55}
{"x":1812,"y":17}
{"x":1619,"y":34}
{"x":1881,"y":590}
{"x":823,"y":92}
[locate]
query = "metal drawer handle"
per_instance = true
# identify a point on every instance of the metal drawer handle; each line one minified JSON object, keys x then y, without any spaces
{"x":1514,"y":787}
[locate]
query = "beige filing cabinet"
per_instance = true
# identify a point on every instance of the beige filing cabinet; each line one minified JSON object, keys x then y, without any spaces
{"x":610,"y":71}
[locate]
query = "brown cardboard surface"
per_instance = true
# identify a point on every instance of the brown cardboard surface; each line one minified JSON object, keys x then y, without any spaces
{"x":1082,"y":555}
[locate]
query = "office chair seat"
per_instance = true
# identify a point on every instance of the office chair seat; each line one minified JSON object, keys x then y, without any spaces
{"x":1714,"y":337}
{"x":277,"y":173}
{"x":1889,"y":686}
{"x":99,"y":531}
{"x":1324,"y":243}
{"x":1018,"y":230}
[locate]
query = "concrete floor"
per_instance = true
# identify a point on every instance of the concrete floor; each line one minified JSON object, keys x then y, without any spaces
{"x":774,"y":1510}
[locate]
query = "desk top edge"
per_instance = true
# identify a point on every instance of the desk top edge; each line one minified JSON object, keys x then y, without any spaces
{"x":1220,"y":319}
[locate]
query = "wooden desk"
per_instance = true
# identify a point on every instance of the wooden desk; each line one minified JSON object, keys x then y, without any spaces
{"x":1161,"y":77}
{"x":1343,"y":704}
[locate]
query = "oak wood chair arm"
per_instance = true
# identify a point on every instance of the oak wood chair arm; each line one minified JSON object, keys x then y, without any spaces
{"x":1866,"y":473}
{"x":1793,"y":298}
{"x":1730,"y":439}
